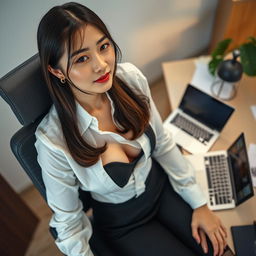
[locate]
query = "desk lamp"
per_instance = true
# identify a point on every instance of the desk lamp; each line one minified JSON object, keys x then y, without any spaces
{"x":229,"y":72}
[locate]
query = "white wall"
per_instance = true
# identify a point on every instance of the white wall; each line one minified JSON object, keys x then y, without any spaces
{"x":147,"y":31}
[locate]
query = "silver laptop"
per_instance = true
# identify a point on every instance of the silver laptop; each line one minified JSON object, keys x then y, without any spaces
{"x":224,"y":176}
{"x":198,"y":121}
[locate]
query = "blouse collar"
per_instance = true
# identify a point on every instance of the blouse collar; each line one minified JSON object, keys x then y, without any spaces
{"x":86,"y":120}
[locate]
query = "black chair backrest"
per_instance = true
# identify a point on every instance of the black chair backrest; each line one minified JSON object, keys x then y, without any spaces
{"x":25,"y":90}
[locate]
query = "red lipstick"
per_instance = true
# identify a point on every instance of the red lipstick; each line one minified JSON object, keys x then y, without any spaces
{"x":103,"y":79}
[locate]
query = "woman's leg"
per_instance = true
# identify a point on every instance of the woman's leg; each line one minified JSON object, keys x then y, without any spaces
{"x":150,"y":239}
{"x":176,"y":215}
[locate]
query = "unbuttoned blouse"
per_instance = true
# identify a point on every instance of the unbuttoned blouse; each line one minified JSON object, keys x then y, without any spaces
{"x":63,"y":176}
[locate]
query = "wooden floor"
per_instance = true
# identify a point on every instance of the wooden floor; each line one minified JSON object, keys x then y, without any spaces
{"x":42,"y":243}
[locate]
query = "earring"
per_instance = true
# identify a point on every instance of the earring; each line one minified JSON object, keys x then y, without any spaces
{"x":63,"y":80}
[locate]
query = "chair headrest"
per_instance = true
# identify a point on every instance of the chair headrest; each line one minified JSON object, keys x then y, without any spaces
{"x":25,"y":90}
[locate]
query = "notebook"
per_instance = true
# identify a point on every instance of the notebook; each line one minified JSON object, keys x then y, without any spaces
{"x":198,"y":121}
{"x":224,"y":176}
{"x":244,"y":238}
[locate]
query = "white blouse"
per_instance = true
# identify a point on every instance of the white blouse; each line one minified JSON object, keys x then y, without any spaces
{"x":63,"y":176}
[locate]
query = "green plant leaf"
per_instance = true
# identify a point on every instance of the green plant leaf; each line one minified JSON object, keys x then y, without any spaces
{"x":218,"y":55}
{"x":221,"y":47}
{"x":248,"y":58}
{"x":253,"y":39}
{"x":213,"y":64}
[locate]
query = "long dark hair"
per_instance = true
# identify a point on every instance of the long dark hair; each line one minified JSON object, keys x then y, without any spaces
{"x":57,"y":30}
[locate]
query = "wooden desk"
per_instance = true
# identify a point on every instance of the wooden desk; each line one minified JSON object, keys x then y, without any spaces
{"x":177,"y":75}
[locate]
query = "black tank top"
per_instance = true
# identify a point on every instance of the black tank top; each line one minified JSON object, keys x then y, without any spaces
{"x":121,"y":172}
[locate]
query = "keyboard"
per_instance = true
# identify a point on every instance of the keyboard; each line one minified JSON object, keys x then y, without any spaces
{"x":219,"y":185}
{"x":192,"y":129}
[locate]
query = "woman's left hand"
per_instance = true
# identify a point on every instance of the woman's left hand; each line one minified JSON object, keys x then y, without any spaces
{"x":205,"y":222}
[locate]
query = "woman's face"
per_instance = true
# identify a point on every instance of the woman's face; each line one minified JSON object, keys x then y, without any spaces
{"x":92,"y":62}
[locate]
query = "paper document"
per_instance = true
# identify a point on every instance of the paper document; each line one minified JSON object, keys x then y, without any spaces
{"x":253,"y":108}
{"x":252,"y":160}
{"x":202,"y":78}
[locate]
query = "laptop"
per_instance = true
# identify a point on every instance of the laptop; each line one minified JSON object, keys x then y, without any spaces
{"x":224,"y":176}
{"x":197,"y":122}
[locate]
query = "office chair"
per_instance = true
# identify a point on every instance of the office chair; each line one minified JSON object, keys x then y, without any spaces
{"x":25,"y":90}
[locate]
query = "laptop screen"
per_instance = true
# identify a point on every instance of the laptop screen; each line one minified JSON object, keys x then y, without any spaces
{"x":240,"y":170}
{"x":204,"y":108}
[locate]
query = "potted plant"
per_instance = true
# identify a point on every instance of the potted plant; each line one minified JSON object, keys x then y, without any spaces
{"x":247,"y":55}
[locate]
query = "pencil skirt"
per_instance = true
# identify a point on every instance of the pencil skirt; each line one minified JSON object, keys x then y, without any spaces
{"x":158,"y":222}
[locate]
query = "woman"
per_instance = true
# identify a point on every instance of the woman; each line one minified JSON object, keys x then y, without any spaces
{"x":104,"y":135}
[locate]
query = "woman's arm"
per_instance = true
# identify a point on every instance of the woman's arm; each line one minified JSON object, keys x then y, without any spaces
{"x":179,"y":170}
{"x":72,"y":225}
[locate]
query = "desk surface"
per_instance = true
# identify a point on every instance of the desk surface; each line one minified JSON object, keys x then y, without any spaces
{"x":177,"y":75}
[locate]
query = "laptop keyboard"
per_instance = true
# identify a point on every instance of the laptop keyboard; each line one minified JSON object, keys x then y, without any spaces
{"x":219,"y":185}
{"x":192,"y":129}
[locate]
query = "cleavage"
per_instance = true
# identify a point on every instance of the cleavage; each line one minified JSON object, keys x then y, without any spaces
{"x":117,"y":152}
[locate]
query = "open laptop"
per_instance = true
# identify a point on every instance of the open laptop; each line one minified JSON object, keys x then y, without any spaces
{"x":198,"y":121}
{"x":224,"y":176}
